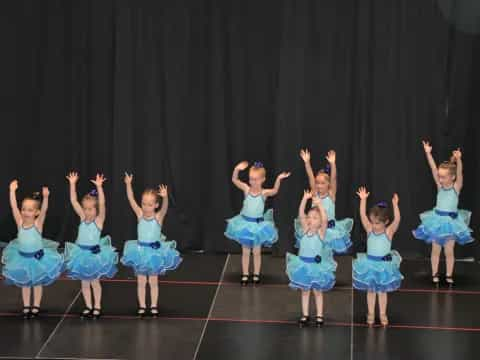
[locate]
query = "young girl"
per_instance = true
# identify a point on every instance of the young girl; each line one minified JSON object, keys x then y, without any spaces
{"x":313,"y":269}
{"x":377,"y":271}
{"x":252,"y":228}
{"x":150,"y":255}
{"x":324,"y":186}
{"x":31,"y":261}
{"x":445,"y":224}
{"x":90,"y":257}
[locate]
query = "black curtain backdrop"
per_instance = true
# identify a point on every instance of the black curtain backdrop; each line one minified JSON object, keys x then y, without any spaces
{"x":179,"y":91}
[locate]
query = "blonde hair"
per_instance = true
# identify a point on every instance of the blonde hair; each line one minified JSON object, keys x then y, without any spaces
{"x":450,"y":165}
{"x":258,"y":169}
{"x":152,"y":192}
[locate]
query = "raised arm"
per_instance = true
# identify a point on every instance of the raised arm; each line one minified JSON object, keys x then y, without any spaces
{"x":102,"y":209}
{"x":323,"y":228}
{"x":43,"y":209}
{"x":305,"y":155}
{"x":457,"y":156}
{"x":307,"y":194}
{"x":13,"y":203}
{"x":274,"y":191}
{"x":131,"y":197}
{"x":363,"y":195}
{"x":332,"y":160}
{"x":163,"y":192}
{"x":236,"y":181}
{"x":431,"y":162}
{"x":73,"y":179}
{"x":393,"y":227}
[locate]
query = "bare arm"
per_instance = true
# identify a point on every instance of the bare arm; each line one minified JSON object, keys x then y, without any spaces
{"x":323,"y":228}
{"x":163,"y":191}
{"x":305,"y":155}
{"x":72,"y":179}
{"x":301,"y":209}
{"x":457,"y":155}
{"x":363,"y":195}
{"x":131,"y":197}
{"x":102,"y":209}
{"x":276,"y":187}
{"x":13,"y":203}
{"x":43,"y":210}
{"x":236,"y":181}
{"x":393,"y":227}
{"x":431,"y":162}
{"x":332,"y":160}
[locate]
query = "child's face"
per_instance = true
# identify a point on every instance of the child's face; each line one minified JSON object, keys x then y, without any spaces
{"x":149,"y":204}
{"x":256,"y":179}
{"x":89,"y":209}
{"x":322,"y":183}
{"x":314,"y":220}
{"x":378,"y":226}
{"x":29,"y":210}
{"x":445,"y":177}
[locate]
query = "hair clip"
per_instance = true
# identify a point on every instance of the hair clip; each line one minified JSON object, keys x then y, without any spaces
{"x":93,"y":193}
{"x":257,"y":164}
{"x":382,"y":204}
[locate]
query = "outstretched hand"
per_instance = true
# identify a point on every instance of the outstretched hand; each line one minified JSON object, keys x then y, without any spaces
{"x":362,"y":193}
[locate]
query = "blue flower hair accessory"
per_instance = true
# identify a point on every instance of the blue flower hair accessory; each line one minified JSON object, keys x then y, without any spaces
{"x":258,"y":164}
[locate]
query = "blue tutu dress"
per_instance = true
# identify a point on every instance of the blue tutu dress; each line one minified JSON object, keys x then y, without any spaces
{"x":379,"y":269}
{"x":151,"y":254}
{"x":337,"y":235}
{"x":90,"y":257}
{"x":252,"y":228}
{"x":445,"y":222}
{"x":29,"y":260}
{"x":314,"y":267}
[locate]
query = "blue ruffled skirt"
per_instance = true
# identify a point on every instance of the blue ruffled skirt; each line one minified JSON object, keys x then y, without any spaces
{"x":40,"y":269}
{"x":252,"y":234}
{"x":311,"y":275}
{"x":441,"y":228}
{"x":150,"y":260}
{"x":91,"y":263}
{"x":377,"y":275}
{"x":337,"y":237}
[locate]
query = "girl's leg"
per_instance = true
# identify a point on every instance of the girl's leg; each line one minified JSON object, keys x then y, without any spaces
{"x":87,"y":294}
{"x":37,"y":299}
{"x":305,"y":305}
{"x":450,"y":259}
{"x":435,"y":258}
{"x":153,"y":282}
{"x":26,"y":293}
{"x":371,"y":300}
{"x":141,"y":284}
{"x":382,"y":302}
{"x":245,"y":260}
{"x":97,"y":294}
{"x":319,"y":303}
{"x":257,"y":263}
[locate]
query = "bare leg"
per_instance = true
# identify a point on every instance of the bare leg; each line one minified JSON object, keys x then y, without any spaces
{"x":141,"y":284}
{"x":97,"y":293}
{"x":450,"y":258}
{"x":87,"y":294}
{"x":245,"y":260}
{"x":26,"y":292}
{"x":435,"y":258}
{"x":305,"y":302}
{"x":257,"y":260}
{"x":371,"y":300}
{"x":153,"y":282}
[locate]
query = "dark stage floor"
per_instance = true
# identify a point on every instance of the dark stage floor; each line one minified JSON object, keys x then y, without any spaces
{"x":205,"y":314}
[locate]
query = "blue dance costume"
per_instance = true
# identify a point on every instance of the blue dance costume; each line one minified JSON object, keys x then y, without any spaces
{"x":252,"y":228}
{"x":90,"y":257}
{"x":151,"y":254}
{"x":445,"y":222}
{"x":379,"y":269}
{"x":314,"y":267}
{"x":29,"y":260}
{"x":337,"y":235}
